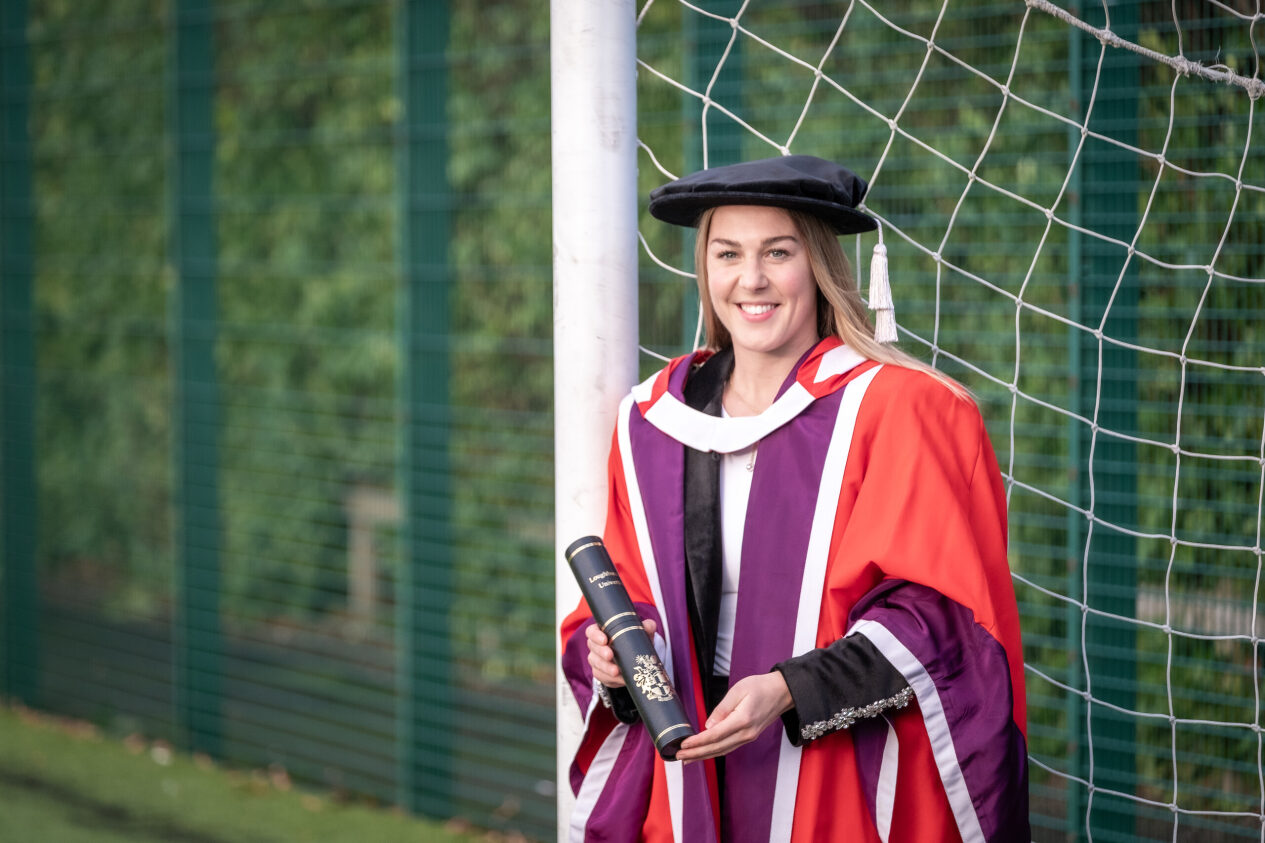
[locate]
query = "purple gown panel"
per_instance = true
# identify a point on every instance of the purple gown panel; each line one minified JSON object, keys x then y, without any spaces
{"x":972,"y":679}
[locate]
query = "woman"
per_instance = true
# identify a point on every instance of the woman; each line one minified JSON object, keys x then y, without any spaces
{"x":812,"y":524}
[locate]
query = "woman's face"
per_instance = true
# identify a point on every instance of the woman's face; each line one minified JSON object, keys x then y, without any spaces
{"x":760,"y":282}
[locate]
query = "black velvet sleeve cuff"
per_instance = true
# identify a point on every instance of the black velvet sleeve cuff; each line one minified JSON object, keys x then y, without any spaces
{"x":834,"y":687}
{"x":620,"y":702}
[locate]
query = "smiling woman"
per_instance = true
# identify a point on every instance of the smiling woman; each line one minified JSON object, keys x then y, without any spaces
{"x":851,"y":582}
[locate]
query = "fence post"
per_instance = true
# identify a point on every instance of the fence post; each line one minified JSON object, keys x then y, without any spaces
{"x":1108,"y":395}
{"x":20,"y":656}
{"x":196,"y":637}
{"x":594,"y":147}
{"x":424,"y":667}
{"x":1074,"y":541}
{"x":706,"y":40}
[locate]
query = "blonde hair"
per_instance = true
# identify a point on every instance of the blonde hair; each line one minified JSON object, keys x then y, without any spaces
{"x":840,"y":310}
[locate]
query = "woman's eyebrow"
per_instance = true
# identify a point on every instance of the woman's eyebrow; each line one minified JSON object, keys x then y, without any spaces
{"x":720,"y":241}
{"x":770,"y":241}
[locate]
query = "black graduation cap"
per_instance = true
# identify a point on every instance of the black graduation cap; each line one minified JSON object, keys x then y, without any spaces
{"x":802,"y":182}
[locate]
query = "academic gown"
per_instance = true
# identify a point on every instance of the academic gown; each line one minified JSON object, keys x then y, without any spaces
{"x":876,"y":509}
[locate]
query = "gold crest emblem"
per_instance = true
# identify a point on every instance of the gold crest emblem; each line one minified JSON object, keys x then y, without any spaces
{"x":651,"y":679}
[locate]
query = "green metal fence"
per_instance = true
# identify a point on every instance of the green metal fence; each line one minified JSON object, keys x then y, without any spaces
{"x":275,"y":371}
{"x":276,"y":378}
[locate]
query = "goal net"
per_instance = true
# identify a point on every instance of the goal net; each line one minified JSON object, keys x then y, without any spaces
{"x":1073,"y":203}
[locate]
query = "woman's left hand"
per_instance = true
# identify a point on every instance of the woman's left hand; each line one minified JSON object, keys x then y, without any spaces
{"x":746,"y":711}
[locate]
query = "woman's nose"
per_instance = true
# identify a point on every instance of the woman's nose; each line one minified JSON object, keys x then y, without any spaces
{"x":752,"y":276}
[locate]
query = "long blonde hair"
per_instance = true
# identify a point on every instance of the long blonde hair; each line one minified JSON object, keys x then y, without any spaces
{"x":840,"y":310}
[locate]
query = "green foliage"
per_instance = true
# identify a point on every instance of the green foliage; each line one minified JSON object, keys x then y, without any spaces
{"x":502,"y":322}
{"x":306,"y":210}
{"x":103,"y":412}
{"x":304,"y":110}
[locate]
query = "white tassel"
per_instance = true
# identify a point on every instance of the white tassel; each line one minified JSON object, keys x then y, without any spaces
{"x":881,"y":297}
{"x":885,"y":326}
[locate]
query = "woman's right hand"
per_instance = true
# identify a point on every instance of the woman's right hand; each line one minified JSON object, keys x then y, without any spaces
{"x":602,"y":657}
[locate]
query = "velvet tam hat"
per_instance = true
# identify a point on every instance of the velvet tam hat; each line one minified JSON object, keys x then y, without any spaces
{"x":802,"y":182}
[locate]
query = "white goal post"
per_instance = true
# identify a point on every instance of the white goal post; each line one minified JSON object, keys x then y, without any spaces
{"x":594,"y":147}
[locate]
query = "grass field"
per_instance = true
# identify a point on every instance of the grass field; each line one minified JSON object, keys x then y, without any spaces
{"x":63,"y":782}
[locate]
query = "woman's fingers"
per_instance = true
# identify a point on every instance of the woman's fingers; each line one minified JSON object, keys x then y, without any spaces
{"x":751,"y":705}
{"x":602,"y":657}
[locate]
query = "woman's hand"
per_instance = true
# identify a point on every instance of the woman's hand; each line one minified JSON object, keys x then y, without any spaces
{"x":746,"y":711}
{"x":602,"y":657}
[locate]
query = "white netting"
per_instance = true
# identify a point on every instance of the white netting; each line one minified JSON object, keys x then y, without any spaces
{"x":1074,"y":206}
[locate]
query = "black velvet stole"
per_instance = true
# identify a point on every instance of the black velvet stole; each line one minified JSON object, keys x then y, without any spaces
{"x":703,"y":548}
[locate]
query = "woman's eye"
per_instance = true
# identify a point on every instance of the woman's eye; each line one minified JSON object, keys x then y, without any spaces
{"x":728,"y":254}
{"x":778,"y":253}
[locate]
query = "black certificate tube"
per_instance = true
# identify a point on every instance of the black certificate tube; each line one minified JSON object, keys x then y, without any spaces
{"x":647,"y":682}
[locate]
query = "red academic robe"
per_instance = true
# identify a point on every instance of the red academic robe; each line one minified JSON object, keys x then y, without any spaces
{"x":876,"y":508}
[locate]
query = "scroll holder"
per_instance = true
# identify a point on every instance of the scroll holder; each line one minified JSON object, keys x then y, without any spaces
{"x":647,"y":682}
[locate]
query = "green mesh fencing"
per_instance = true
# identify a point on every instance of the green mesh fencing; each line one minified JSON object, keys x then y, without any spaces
{"x":275,"y":405}
{"x":290,"y":431}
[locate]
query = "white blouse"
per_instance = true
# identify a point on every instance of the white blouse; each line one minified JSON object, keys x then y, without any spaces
{"x":736,"y":470}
